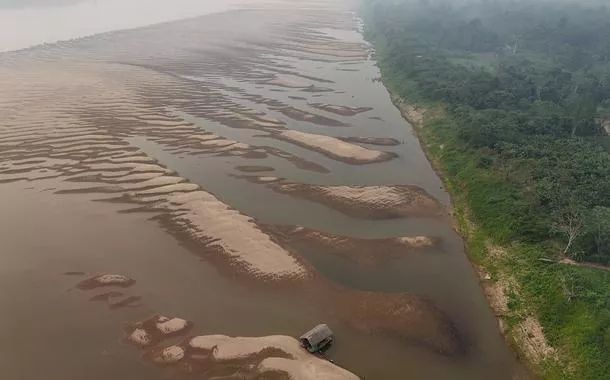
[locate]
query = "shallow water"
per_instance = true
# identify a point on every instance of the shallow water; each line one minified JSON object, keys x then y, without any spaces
{"x":75,"y":115}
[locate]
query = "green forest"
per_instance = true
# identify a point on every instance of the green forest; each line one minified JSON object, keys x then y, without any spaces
{"x":523,"y":90}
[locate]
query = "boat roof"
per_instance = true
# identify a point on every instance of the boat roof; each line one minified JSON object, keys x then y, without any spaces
{"x":317,"y":334}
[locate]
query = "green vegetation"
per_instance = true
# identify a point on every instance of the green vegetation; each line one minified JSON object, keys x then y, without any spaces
{"x":521,"y":93}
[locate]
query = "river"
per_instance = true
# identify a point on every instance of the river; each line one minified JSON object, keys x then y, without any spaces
{"x":247,"y":169}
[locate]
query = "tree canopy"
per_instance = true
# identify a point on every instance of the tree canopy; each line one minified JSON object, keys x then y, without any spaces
{"x":527,"y":86}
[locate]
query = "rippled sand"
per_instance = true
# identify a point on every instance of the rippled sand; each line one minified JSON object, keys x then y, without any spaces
{"x":377,"y":202}
{"x":335,"y":148}
{"x":159,"y":125}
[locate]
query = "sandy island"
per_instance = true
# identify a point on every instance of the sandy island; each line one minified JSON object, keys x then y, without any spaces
{"x":374,"y":202}
{"x":334,"y":148}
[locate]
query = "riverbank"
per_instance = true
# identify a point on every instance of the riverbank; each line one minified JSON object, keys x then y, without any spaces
{"x":518,"y":282}
{"x":520,"y":326}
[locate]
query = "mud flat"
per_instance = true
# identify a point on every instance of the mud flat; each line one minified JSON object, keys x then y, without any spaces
{"x":335,"y":148}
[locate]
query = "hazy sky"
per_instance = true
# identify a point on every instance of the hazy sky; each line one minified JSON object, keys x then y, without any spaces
{"x":34,"y":3}
{"x":38,"y":21}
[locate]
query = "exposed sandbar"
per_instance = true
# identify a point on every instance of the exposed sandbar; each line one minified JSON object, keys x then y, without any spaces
{"x":335,"y":148}
{"x":365,"y":252}
{"x":340,"y":110}
{"x":279,"y":356}
{"x":372,"y":202}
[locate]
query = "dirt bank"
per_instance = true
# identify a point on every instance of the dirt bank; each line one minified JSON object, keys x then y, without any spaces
{"x":527,"y":336}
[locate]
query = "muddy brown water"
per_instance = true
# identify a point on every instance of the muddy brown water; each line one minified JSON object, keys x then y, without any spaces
{"x":74,"y":114}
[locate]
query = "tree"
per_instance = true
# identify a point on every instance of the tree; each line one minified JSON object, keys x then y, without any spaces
{"x":569,"y":222}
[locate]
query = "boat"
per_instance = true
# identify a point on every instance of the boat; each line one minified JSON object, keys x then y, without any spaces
{"x":317,"y":339}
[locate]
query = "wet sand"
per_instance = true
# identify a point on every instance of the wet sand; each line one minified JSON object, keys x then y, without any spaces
{"x":123,"y":176}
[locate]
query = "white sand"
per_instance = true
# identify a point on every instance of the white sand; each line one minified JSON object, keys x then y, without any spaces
{"x":237,"y":235}
{"x":333,"y":146}
{"x":169,"y":355}
{"x":215,"y":223}
{"x":306,"y":368}
{"x":300,"y":366}
{"x":112,"y":279}
{"x":207,"y":342}
{"x":365,"y":194}
{"x":267,"y":179}
{"x":416,"y":241}
{"x":182,"y":198}
{"x":171,"y":325}
{"x":378,"y":200}
{"x":140,"y":337}
{"x":147,"y":168}
{"x":241,"y":146}
{"x":241,"y":347}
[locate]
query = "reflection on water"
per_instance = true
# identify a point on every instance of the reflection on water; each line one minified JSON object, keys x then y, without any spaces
{"x":272,"y":157}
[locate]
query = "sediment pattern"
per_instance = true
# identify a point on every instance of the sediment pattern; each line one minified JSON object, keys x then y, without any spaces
{"x":76,"y":116}
{"x":216,"y":355}
{"x":123,"y":118}
{"x":374,"y":202}
{"x":89,"y":155}
{"x":362,"y":251}
{"x":335,"y":148}
{"x":401,"y":316}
